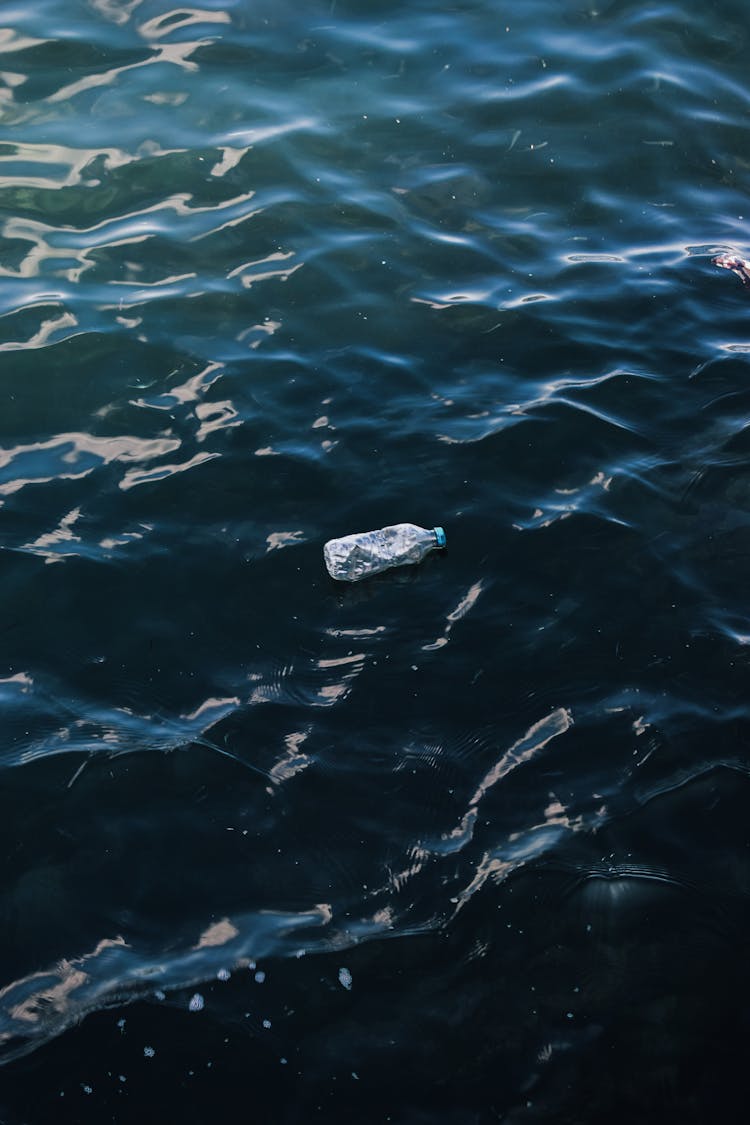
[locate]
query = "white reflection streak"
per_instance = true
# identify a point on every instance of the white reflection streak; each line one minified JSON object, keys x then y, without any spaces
{"x":268,"y":328}
{"x":248,"y":279}
{"x":50,"y":244}
{"x":176,"y":53}
{"x":41,"y":337}
{"x":356,"y":633}
{"x":335,"y":691}
{"x":25,"y":681}
{"x":397,"y":880}
{"x":250,"y":137}
{"x":278,"y":539}
{"x":219,"y":933}
{"x":41,"y":1005}
{"x":554,"y":391}
{"x":118,"y":11}
{"x":191,"y":390}
{"x":235,"y":222}
{"x":215,"y":416}
{"x":468,"y":601}
{"x":143,"y":476}
{"x":133,"y":223}
{"x":146,"y":291}
{"x":106,"y":449}
{"x":63,"y":533}
{"x":524,"y":846}
{"x":54,"y":991}
{"x":56,"y":996}
{"x":41,"y":251}
{"x":165,"y":24}
{"x":213,"y":709}
{"x":11,"y":40}
{"x":126,"y":230}
{"x":102,"y":450}
{"x":533,"y":841}
{"x":230,"y":159}
{"x":293,"y":761}
{"x":535,"y":739}
{"x":559,"y":510}
{"x":179,"y":53}
{"x":356,"y":658}
{"x":92,"y":81}
{"x":57,"y":155}
{"x":109,"y":542}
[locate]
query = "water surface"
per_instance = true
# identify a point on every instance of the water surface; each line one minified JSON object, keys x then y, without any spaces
{"x":466,"y":842}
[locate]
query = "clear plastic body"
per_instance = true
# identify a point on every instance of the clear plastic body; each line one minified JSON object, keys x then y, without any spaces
{"x":370,"y":552}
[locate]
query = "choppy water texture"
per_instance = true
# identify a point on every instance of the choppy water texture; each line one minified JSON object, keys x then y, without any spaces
{"x":468,"y":842}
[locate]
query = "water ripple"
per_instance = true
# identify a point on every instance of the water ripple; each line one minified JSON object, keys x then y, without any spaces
{"x":274,"y":272}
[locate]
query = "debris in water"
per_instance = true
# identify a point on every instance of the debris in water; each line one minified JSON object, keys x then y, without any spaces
{"x":197,"y":1003}
{"x":149,"y":1052}
{"x":345,"y":978}
{"x":737,"y":265}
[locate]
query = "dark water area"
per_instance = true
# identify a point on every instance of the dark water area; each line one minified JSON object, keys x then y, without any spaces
{"x":466,"y":842}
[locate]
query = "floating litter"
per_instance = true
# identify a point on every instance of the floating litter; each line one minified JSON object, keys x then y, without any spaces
{"x":369,"y":552}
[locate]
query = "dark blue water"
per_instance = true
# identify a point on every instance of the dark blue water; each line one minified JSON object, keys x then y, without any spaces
{"x":466,"y":842}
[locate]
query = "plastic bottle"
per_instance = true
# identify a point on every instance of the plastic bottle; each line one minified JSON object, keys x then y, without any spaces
{"x":370,"y":552}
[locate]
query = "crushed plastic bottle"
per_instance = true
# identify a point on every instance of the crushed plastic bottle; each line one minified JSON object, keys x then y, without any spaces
{"x":358,"y":556}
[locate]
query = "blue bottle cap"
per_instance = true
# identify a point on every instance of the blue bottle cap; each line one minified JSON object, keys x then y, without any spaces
{"x":439,"y":536}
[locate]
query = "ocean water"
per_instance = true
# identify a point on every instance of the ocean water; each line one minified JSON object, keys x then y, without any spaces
{"x":466,"y":842}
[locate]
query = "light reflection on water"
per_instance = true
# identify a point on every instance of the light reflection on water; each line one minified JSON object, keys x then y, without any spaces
{"x":271,"y":274}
